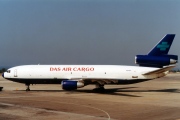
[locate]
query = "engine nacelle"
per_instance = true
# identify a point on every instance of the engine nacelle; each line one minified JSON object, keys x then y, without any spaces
{"x":71,"y":85}
{"x":156,"y":61}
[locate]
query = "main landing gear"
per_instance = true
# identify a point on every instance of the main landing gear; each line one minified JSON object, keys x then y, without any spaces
{"x":99,"y":88}
{"x":28,"y":88}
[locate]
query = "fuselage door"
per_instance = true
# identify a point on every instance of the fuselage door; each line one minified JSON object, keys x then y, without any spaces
{"x":15,"y":73}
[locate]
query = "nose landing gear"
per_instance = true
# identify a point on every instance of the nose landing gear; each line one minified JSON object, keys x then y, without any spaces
{"x":1,"y":88}
{"x":27,"y":87}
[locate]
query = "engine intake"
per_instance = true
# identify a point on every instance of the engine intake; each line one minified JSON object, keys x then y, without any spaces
{"x":71,"y":85}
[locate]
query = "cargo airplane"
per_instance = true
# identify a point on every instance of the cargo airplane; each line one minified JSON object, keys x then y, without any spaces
{"x":155,"y":64}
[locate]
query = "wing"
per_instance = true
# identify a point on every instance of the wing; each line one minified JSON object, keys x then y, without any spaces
{"x":96,"y":80}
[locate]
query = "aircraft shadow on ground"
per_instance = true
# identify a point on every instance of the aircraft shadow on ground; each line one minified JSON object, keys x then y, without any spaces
{"x":126,"y":91}
{"x":42,"y":90}
{"x":112,"y":91}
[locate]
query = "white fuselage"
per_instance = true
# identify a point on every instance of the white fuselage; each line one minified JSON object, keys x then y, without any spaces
{"x":80,"y":72}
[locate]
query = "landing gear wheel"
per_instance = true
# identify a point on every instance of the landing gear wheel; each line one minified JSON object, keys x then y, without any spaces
{"x":99,"y":88}
{"x":27,"y":89}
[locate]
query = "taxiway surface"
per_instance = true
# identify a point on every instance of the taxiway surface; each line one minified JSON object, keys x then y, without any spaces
{"x":157,"y":99}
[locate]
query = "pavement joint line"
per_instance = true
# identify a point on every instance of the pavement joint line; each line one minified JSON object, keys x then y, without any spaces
{"x":40,"y":109}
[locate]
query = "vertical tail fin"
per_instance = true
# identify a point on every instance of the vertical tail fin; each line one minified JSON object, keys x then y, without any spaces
{"x":163,"y":46}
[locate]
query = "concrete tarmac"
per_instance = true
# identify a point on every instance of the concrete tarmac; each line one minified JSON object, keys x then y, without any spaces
{"x":157,"y":99}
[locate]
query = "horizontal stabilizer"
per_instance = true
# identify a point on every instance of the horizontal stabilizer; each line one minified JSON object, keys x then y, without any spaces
{"x":161,"y":70}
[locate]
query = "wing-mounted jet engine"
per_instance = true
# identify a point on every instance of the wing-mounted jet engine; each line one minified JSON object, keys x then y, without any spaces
{"x":71,"y":84}
{"x":158,"y":56}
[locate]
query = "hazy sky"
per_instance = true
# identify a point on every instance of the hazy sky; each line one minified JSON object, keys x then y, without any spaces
{"x":84,"y":31}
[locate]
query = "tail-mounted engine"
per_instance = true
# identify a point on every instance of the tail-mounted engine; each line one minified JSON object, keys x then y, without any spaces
{"x":156,"y":61}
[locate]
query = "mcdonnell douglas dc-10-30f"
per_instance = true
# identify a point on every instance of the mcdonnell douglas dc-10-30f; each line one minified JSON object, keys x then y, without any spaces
{"x":155,"y":64}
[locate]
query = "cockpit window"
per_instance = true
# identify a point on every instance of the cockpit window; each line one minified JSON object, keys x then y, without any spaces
{"x":8,"y":71}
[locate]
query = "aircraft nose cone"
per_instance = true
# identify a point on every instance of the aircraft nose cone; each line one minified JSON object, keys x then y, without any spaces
{"x":3,"y":75}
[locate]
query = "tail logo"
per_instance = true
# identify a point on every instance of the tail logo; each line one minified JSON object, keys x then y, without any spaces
{"x":163,"y":46}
